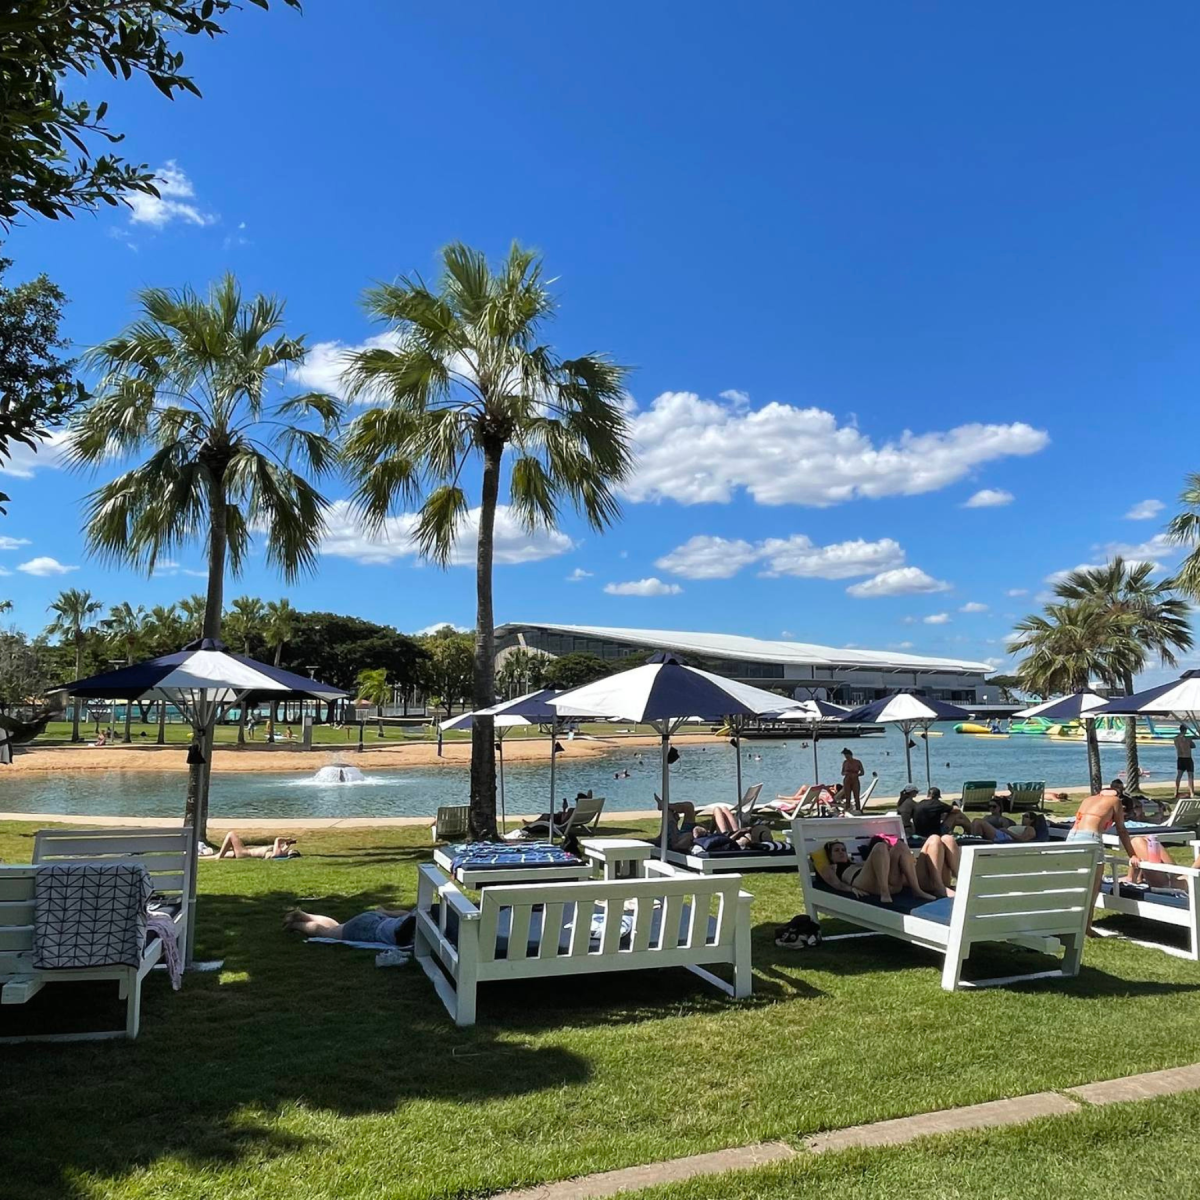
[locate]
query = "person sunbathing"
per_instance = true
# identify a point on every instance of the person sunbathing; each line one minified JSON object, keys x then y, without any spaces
{"x":234,"y":847}
{"x":728,"y":834}
{"x":1032,"y":829}
{"x":388,"y":925}
{"x":888,"y":867}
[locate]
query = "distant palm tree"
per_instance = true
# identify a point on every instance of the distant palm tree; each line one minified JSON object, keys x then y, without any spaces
{"x":164,"y":635}
{"x":373,"y":687}
{"x":1147,"y":620}
{"x":468,"y":377}
{"x":6,"y":606}
{"x":127,"y":632}
{"x":1066,"y":648}
{"x":192,"y":607}
{"x":186,"y":385}
{"x":75,"y":611}
{"x":243,"y":622}
{"x":280,"y":626}
{"x":1184,"y":530}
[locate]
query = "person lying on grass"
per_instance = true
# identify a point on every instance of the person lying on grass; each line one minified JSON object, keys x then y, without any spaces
{"x":387,"y":925}
{"x":234,"y":847}
{"x":1032,"y":829}
{"x":887,"y":867}
{"x":724,"y":834}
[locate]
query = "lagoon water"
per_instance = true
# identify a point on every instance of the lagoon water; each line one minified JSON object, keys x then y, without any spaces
{"x":703,"y":774}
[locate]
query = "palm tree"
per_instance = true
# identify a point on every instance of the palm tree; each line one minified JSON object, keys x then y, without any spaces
{"x":75,"y":611}
{"x":373,"y":687}
{"x":467,"y":378}
{"x":243,"y":623}
{"x":522,"y":671}
{"x":127,"y":628}
{"x":1066,"y":648}
{"x":279,"y":626}
{"x":164,"y":634}
{"x":185,"y":385}
{"x":6,"y":606}
{"x":192,"y":610}
{"x":1148,"y":619}
{"x":1184,"y":530}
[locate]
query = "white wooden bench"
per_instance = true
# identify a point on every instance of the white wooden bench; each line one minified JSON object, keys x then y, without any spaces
{"x":1032,"y":894}
{"x":459,"y":945}
{"x":1166,"y":906}
{"x":162,"y":851}
{"x":20,"y":980}
{"x":712,"y":864}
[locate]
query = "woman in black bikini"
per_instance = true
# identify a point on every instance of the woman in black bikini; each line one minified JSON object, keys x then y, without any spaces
{"x":886,"y":869}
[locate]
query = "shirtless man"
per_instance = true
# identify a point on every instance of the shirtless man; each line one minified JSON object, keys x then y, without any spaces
{"x":1185,"y":763}
{"x":852,"y":773}
{"x":1096,"y":816}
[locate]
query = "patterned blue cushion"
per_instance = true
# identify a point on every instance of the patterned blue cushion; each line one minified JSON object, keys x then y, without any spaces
{"x":480,"y":856}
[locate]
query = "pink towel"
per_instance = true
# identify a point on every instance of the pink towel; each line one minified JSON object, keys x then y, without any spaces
{"x":163,"y":925}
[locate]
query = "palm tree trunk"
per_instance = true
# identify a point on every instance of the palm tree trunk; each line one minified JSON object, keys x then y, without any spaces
{"x":128,"y":720}
{"x":75,"y":705}
{"x":162,"y":723}
{"x":483,"y":744}
{"x":241,"y":739}
{"x":1133,"y":770}
{"x":1095,"y":778}
{"x":278,"y":653}
{"x":379,"y":717}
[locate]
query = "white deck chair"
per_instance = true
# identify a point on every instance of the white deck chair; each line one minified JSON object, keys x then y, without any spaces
{"x":749,"y":800}
{"x":452,"y":821}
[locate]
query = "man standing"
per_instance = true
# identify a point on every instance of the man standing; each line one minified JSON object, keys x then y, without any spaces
{"x":1185,"y":763}
{"x":852,"y":773}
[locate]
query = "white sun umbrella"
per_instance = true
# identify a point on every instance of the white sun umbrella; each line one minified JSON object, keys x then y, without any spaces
{"x":815,"y":713}
{"x":1079,"y":706}
{"x":910,"y":710}
{"x":1179,"y":698}
{"x":530,"y":709}
{"x":203,"y":681}
{"x":665,"y":694}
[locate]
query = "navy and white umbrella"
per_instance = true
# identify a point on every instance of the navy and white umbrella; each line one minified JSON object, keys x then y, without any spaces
{"x":531,"y":709}
{"x":203,"y":680}
{"x":910,"y":710}
{"x":1179,"y":698}
{"x":1077,"y":706}
{"x":665,"y":694}
{"x":815,"y":713}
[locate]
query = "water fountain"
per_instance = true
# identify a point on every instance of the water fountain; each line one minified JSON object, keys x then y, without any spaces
{"x":339,"y":773}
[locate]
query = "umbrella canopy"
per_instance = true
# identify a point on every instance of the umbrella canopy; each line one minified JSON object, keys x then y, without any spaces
{"x":908,"y":709}
{"x":815,"y":713}
{"x":665,"y":694}
{"x":530,"y":709}
{"x":1067,"y":708}
{"x":1179,"y":698}
{"x":202,"y":680}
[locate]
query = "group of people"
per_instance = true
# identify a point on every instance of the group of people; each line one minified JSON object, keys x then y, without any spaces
{"x":719,"y":829}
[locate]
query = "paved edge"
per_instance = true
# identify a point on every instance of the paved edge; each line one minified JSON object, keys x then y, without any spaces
{"x":675,"y":1170}
{"x":1140,"y":1087}
{"x":994,"y":1114}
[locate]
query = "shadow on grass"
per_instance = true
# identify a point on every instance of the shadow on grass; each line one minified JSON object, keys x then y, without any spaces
{"x":284,"y":1024}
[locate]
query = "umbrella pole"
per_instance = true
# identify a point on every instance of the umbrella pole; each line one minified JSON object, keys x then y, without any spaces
{"x":553,"y":759}
{"x":928,"y":777}
{"x":816,"y":767}
{"x":737,"y":739}
{"x":666,"y":790}
{"x":906,"y":729}
{"x":500,"y":748}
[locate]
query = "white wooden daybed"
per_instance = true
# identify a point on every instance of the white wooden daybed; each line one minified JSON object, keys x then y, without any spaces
{"x":1177,"y":905}
{"x":460,"y":945}
{"x":1034,"y":895}
{"x":712,"y":864}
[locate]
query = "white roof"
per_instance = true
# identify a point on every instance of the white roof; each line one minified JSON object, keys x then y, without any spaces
{"x":729,"y":645}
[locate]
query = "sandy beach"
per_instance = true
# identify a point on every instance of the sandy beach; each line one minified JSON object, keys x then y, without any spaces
{"x":231,"y":760}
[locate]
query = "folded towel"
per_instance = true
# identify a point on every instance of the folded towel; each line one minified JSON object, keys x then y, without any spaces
{"x":160,"y":923}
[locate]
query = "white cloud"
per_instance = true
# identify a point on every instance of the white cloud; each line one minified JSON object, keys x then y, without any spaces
{"x":707,"y":557}
{"x":25,"y":462}
{"x":738,"y":399}
{"x":990,"y":498}
{"x":699,"y":451}
{"x":438,"y":625}
{"x":345,"y":537}
{"x":994,"y":662}
{"x":937,"y":619}
{"x":172,"y":203}
{"x":11,"y":543}
{"x":1145,"y":510}
{"x":903,"y":581}
{"x":643,"y":587}
{"x":167,"y":568}
{"x":4,"y":572}
{"x":904,"y":645}
{"x":787,"y":633}
{"x":1014,"y":592}
{"x":704,"y":557}
{"x":908,"y":620}
{"x":973,"y":606}
{"x":1155,"y":551}
{"x":43,"y":565}
{"x":579,"y":574}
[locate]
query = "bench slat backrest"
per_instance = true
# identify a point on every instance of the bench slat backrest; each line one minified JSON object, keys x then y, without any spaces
{"x":1186,"y":813}
{"x":977,"y":793}
{"x":16,"y":918}
{"x":512,"y":907}
{"x":163,"y":852}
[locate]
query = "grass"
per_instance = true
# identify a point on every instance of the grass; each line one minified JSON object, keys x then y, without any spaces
{"x":304,"y":1071}
{"x":1147,"y":1148}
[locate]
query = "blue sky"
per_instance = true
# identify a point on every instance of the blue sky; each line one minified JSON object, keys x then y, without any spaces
{"x":869,"y":261}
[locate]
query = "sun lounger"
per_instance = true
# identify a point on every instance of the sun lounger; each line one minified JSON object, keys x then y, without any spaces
{"x":1185,"y":813}
{"x":87,"y":922}
{"x":531,"y":931}
{"x":749,"y":800}
{"x":1174,"y":835}
{"x":452,"y":822}
{"x":977,"y":795}
{"x":584,"y":818}
{"x":1026,"y":797}
{"x":711,"y":862}
{"x":1033,"y":895}
{"x":162,"y":851}
{"x":1175,"y":904}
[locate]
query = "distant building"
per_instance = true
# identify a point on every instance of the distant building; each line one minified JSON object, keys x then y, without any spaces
{"x":800,"y":668}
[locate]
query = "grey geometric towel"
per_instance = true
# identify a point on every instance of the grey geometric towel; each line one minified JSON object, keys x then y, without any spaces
{"x":90,"y":915}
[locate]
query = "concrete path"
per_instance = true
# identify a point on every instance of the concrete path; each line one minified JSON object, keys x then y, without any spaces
{"x":974,"y":1117}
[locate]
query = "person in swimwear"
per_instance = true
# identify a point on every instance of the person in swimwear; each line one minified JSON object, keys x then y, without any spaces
{"x":234,"y":847}
{"x":1032,"y":829}
{"x":1096,"y":816}
{"x":887,"y":868}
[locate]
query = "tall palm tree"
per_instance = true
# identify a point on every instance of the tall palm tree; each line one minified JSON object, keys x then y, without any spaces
{"x":1148,"y":620}
{"x":1184,"y":530}
{"x":244,"y":622}
{"x":165,"y":633}
{"x":1065,"y":648}
{"x":6,"y":606}
{"x":468,"y":378}
{"x":192,"y":614}
{"x":127,"y":630}
{"x":75,"y":612}
{"x":279,"y":627}
{"x":186,"y":386}
{"x":373,"y":687}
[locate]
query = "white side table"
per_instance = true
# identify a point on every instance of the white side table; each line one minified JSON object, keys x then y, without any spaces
{"x":617,"y":858}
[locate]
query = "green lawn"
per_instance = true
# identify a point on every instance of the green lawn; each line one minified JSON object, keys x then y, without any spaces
{"x":304,"y":1071}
